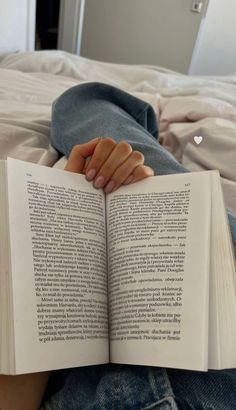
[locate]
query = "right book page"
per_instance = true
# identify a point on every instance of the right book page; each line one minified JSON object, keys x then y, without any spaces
{"x":159,"y":253}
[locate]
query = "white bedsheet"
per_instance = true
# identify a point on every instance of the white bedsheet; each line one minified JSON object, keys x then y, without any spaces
{"x":185,"y":106}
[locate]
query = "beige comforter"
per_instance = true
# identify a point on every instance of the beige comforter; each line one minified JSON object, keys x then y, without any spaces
{"x":185,"y":107}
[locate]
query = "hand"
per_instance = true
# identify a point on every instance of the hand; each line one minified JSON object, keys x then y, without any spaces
{"x":108,"y":164}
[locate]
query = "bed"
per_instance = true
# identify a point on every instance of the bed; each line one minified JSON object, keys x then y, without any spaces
{"x":186,"y":107}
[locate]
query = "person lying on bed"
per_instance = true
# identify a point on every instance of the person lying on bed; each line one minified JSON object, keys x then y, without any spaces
{"x":126,"y":151}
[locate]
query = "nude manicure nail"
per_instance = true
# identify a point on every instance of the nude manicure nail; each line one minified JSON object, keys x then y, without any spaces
{"x":90,"y":174}
{"x":99,"y":182}
{"x":109,"y":187}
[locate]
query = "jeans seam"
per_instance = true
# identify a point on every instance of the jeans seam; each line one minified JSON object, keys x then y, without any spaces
{"x":168,"y":399}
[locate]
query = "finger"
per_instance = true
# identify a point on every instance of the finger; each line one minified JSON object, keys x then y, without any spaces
{"x":86,"y":164}
{"x":135,"y":159}
{"x":78,"y":155}
{"x":140,"y":173}
{"x":100,"y":155}
{"x":117,"y":157}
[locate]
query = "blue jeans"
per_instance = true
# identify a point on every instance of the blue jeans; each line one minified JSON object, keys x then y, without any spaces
{"x":80,"y":114}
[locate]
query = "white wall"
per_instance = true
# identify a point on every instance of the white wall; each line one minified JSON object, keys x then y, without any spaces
{"x":217,"y":47}
{"x":17,"y":25}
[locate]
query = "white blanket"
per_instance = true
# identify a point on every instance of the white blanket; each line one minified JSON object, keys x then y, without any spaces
{"x":185,"y":106}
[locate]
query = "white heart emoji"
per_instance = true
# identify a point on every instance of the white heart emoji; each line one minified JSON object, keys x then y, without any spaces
{"x":198,"y":140}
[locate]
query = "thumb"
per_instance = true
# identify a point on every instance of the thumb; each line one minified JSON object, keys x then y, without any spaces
{"x":78,"y":155}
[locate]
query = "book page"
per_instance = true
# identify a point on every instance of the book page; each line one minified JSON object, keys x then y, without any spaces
{"x":159,"y":237}
{"x":222,"y":307}
{"x":59,"y":277}
{"x":6,"y":345}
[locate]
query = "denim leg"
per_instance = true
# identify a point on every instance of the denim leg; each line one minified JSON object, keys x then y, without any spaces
{"x":214,"y":390}
{"x":94,"y":110}
{"x":113,"y":387}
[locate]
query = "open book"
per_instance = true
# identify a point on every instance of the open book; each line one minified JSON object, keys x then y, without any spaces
{"x":144,"y":275}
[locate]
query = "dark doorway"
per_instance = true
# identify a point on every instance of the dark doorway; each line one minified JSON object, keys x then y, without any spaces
{"x":47,"y":22}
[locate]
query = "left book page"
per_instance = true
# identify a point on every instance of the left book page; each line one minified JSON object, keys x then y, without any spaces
{"x":58,"y":268}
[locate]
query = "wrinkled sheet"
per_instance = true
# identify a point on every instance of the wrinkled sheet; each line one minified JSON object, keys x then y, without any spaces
{"x":186,"y":106}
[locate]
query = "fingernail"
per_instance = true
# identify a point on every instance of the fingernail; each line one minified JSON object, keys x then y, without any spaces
{"x":90,"y":174}
{"x":99,"y":182}
{"x":109,"y":187}
{"x":128,"y":180}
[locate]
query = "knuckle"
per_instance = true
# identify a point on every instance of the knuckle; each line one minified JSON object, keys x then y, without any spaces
{"x":75,"y":149}
{"x":138,"y":156}
{"x":141,"y":171}
{"x":125,"y":147}
{"x":150,"y":171}
{"x":109,"y":142}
